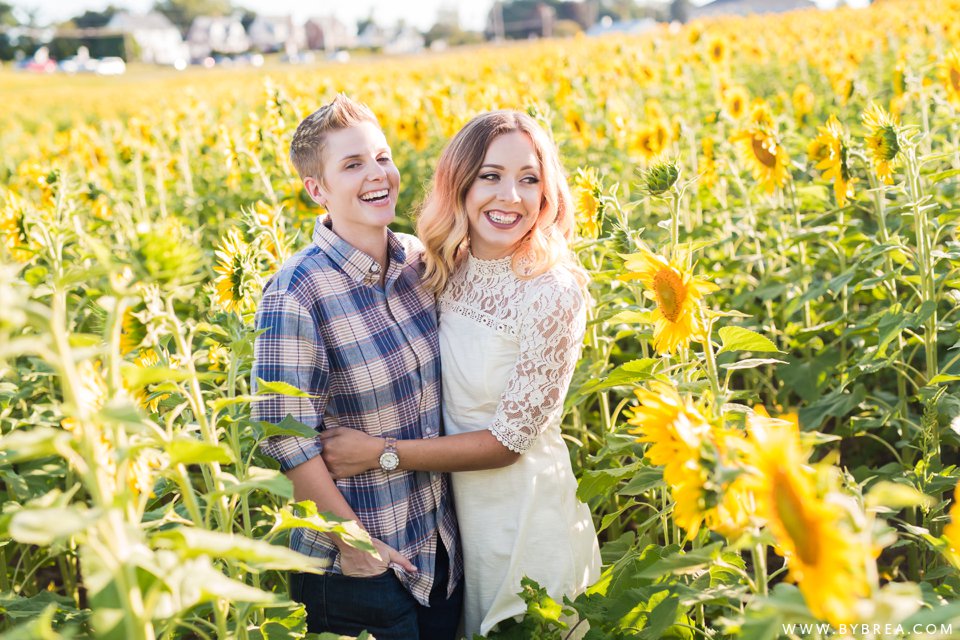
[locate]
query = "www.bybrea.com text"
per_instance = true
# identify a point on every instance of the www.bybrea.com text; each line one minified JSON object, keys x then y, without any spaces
{"x":877,"y":630}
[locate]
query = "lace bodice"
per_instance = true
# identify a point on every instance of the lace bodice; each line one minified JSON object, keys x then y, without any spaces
{"x":545,"y":317}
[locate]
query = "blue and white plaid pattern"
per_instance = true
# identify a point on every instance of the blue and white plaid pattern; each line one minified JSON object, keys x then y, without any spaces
{"x":372,"y":360}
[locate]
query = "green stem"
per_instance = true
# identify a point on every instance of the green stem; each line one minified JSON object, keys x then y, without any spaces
{"x":267,"y":185}
{"x":880,"y":209}
{"x":189,"y":496}
{"x":760,"y":568}
{"x":211,"y":471}
{"x":844,"y":291}
{"x":664,"y":518}
{"x":802,"y":247}
{"x":4,"y":578}
{"x":709,"y":357}
{"x":925,"y":263}
{"x":674,"y":221}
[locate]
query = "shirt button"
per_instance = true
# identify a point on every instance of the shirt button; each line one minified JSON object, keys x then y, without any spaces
{"x":375,"y":268}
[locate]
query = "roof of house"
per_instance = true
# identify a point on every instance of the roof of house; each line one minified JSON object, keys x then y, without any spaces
{"x":745,"y":7}
{"x":129,"y":21}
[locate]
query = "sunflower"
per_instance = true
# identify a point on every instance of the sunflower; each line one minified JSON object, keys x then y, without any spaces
{"x":92,"y":392}
{"x":761,"y":151}
{"x":829,"y":150}
{"x":951,"y":532}
{"x":883,"y":141}
{"x":691,"y":452}
{"x":13,"y":228}
{"x":218,"y":357}
{"x":717,"y":50}
{"x":645,"y":74}
{"x":141,"y":472}
{"x":146,"y":359}
{"x":761,"y":114}
{"x":588,"y":190}
{"x":674,"y":429}
{"x":133,"y":331}
{"x":677,"y":294}
{"x":735,"y":100}
{"x":266,"y":217}
{"x":232,"y":161}
{"x":825,"y":558}
{"x":950,"y":75}
{"x":653,"y":110}
{"x":734,"y":507}
{"x":578,"y":127}
{"x":707,"y":496}
{"x":803,"y":102}
{"x":899,"y":80}
{"x":650,"y":140}
{"x":238,"y":281}
{"x":708,"y":164}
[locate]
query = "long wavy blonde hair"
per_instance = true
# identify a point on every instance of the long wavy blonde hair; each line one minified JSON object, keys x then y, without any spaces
{"x":443,"y":226}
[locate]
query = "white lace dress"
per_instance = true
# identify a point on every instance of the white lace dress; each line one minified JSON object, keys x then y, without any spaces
{"x":508,"y":349}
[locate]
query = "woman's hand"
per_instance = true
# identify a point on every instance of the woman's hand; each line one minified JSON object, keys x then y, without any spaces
{"x":360,"y":564}
{"x":347,"y":452}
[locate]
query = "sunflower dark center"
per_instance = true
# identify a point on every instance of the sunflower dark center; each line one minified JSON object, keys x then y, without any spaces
{"x":670,"y":292}
{"x":763,"y":154}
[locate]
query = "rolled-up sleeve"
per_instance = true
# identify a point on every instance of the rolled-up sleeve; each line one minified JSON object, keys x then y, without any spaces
{"x":290,"y":349}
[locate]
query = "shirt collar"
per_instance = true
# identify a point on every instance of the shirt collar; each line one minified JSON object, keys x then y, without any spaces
{"x":352,"y":261}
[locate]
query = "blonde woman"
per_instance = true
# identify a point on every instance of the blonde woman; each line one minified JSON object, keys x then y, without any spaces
{"x":512,"y":313}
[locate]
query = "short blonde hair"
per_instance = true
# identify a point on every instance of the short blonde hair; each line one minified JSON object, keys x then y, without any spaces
{"x":306,"y":148}
{"x":442,"y":225}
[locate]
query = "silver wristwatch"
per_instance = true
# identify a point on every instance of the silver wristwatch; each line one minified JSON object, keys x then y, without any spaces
{"x":389,"y":459}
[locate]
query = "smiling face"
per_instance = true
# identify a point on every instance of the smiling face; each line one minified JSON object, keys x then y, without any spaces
{"x":360,"y":182}
{"x":504,"y":201}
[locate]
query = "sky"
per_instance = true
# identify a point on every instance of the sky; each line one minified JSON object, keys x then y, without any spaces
{"x":420,"y":13}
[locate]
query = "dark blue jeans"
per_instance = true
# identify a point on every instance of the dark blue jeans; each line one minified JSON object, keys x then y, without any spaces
{"x":346,"y":605}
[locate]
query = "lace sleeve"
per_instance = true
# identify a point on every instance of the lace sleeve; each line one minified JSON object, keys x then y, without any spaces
{"x":551,"y":335}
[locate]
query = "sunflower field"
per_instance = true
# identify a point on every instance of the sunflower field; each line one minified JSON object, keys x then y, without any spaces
{"x":765,"y":420}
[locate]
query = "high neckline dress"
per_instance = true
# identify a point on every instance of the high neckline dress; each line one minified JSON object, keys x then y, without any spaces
{"x":508,"y":349}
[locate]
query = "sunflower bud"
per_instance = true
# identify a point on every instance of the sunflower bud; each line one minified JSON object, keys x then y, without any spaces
{"x":883,"y":141}
{"x":887,"y":143}
{"x":588,"y":191}
{"x":660,"y":178}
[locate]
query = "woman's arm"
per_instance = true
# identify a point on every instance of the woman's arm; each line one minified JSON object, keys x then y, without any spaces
{"x":551,"y":334}
{"x":348,"y":452}
{"x":311,"y":481}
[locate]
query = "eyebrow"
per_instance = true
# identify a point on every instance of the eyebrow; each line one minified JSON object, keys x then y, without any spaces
{"x":357,"y":156}
{"x":501,"y":168}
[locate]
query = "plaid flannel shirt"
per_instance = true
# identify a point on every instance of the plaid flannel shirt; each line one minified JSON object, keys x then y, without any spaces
{"x":372,"y":359}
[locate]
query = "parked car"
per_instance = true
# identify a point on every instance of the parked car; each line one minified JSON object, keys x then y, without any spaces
{"x":36,"y":66}
{"x":78,"y":65}
{"x":111,"y":66}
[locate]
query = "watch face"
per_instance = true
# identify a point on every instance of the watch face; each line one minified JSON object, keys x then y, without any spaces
{"x":389,"y":460}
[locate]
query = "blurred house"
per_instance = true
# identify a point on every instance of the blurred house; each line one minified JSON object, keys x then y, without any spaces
{"x":156,"y":39}
{"x":372,"y":36}
{"x":404,"y":39}
{"x":276,"y":33}
{"x":747,"y":7}
{"x":608,"y":25}
{"x":216,"y":34}
{"x":398,"y":39}
{"x":327,"y":34}
{"x":520,"y":20}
